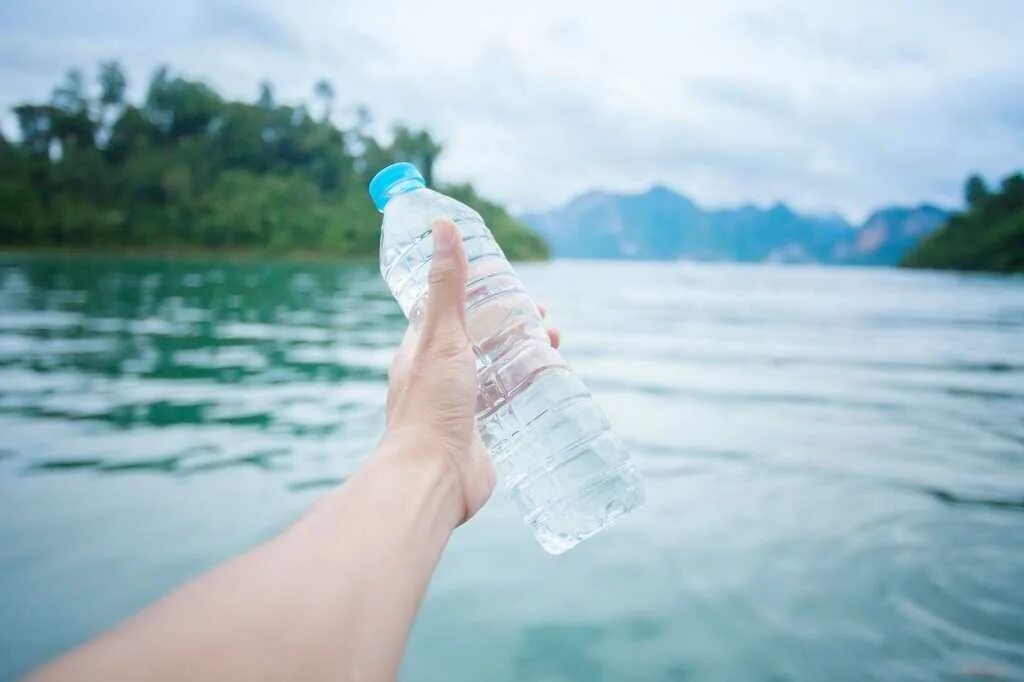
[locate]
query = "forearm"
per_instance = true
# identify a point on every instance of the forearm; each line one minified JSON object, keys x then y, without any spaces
{"x":331,"y":598}
{"x":402,"y":510}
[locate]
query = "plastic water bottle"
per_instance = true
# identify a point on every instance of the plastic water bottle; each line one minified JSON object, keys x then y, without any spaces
{"x":552,"y":446}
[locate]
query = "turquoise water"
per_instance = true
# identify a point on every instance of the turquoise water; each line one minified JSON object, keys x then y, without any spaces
{"x":834,"y":463}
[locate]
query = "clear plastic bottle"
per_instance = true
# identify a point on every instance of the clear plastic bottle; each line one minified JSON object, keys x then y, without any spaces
{"x":551,"y":444}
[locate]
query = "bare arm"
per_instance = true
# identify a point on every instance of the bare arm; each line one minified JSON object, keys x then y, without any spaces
{"x":334,"y":597}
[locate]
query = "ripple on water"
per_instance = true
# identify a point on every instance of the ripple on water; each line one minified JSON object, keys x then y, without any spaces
{"x":832,"y":460}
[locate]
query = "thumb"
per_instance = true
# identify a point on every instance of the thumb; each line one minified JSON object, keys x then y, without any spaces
{"x":444,"y":326}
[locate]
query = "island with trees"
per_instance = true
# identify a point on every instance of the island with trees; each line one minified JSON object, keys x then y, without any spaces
{"x":987,"y":235}
{"x":189,"y":170}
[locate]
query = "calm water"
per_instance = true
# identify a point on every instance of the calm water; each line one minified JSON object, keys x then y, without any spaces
{"x":834,"y":462}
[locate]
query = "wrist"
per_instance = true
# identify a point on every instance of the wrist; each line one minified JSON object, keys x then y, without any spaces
{"x":408,"y":488}
{"x":412,"y":459}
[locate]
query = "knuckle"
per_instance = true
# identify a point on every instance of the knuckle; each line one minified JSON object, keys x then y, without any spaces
{"x":450,"y":342}
{"x":440,"y":273}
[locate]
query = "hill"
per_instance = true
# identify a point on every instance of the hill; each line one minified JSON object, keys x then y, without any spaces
{"x":188,"y":169}
{"x":988,"y":235}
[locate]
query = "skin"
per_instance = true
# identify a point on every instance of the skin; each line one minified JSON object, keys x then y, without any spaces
{"x":334,"y":596}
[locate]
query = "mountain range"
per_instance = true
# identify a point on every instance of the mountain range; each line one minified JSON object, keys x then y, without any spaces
{"x":661,"y":224}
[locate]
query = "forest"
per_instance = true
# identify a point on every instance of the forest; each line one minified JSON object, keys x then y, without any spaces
{"x":187,"y":169}
{"x":987,"y":235}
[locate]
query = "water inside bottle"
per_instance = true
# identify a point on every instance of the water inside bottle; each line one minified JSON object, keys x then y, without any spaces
{"x":551,"y":443}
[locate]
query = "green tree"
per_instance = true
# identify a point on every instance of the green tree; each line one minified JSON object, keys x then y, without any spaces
{"x":180,"y":107}
{"x":324,"y":92}
{"x":266,"y":96}
{"x":1011,"y":199}
{"x":132,"y":130}
{"x":187,"y":168}
{"x":975,"y":191}
{"x":113,"y":85}
{"x":418,"y":147}
{"x":363,"y":120}
{"x":69,"y":115}
{"x":517,"y":242}
{"x":988,"y":235}
{"x":70,"y":95}
{"x":35,"y":123}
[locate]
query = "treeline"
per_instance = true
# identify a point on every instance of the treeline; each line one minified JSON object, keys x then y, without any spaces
{"x":987,"y":235}
{"x":187,"y":168}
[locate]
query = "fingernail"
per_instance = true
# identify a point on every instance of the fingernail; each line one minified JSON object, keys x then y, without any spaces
{"x":444,"y":237}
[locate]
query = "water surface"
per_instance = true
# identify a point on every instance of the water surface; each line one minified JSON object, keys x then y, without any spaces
{"x":834,"y":462}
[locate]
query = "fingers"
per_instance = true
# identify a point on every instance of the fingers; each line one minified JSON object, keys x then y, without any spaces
{"x":405,"y":351}
{"x":398,"y":373}
{"x":554,"y":334}
{"x":444,"y":326}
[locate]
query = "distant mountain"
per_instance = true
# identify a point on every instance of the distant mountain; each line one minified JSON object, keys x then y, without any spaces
{"x":661,"y":224}
{"x":887,"y":235}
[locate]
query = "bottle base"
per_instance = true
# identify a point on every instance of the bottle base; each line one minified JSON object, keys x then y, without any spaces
{"x":561,"y":528}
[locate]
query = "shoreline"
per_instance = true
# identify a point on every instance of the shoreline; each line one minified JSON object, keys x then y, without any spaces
{"x":182,"y":254}
{"x":185,"y":254}
{"x":199,"y":254}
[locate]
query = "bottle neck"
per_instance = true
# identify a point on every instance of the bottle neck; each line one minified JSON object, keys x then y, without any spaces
{"x":408,"y":185}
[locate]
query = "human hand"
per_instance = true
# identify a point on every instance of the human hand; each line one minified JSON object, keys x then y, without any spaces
{"x":432,"y":386}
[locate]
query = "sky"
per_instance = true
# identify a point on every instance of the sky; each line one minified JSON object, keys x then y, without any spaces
{"x":828,"y":106}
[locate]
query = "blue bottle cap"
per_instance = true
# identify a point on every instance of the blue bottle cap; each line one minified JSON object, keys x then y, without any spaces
{"x":395,"y":179}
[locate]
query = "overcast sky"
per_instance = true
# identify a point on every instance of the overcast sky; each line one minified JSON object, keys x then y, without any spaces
{"x":828,"y":106}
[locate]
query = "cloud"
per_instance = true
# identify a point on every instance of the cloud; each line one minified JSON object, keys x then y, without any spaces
{"x":231,"y":19}
{"x":857,"y":42}
{"x":827,"y":107}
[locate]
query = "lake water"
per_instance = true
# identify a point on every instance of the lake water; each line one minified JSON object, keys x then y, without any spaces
{"x":834,"y":463}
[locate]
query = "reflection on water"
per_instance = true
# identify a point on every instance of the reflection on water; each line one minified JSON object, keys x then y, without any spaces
{"x":834,"y":463}
{"x":158,"y":345}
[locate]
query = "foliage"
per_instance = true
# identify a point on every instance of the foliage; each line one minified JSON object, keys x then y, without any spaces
{"x":506,"y":229}
{"x":186,"y":168}
{"x":988,"y":235}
